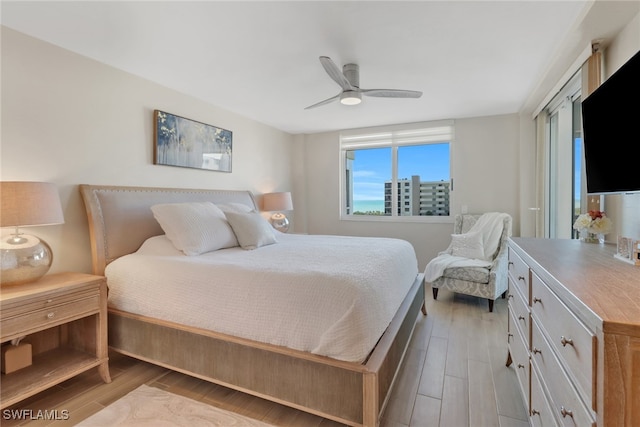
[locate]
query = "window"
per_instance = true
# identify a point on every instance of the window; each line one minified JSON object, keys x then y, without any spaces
{"x":399,"y":172}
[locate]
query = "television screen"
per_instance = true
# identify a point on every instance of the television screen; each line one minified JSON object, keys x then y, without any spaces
{"x":611,"y":132}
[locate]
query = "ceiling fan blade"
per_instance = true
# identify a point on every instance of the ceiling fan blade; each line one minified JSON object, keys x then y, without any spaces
{"x":326,"y":101}
{"x":392,"y":93}
{"x":334,"y":72}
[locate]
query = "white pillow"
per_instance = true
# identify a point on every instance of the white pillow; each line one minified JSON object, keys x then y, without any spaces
{"x":235,"y":207}
{"x":252,"y":230}
{"x":467,"y":245}
{"x":195,"y":228}
{"x":159,"y":246}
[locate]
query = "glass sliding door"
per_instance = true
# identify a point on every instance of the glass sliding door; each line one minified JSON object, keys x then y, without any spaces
{"x":564,"y":178}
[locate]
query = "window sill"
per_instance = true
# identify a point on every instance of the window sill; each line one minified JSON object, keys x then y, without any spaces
{"x":427,"y":219}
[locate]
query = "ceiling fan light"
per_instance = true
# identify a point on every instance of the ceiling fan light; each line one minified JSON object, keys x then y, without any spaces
{"x":350,"y":97}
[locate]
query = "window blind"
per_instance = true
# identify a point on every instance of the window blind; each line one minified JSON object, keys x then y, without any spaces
{"x":442,"y":131}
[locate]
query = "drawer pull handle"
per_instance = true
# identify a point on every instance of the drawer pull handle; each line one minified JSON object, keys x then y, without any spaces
{"x":520,"y":317}
{"x":510,"y":263}
{"x":536,"y":299}
{"x":50,"y":315}
{"x":520,"y":365}
{"x":535,"y":412}
{"x":510,"y":296}
{"x":536,"y":350}
{"x":564,"y":341}
{"x":521,"y":278}
{"x":565,"y":412}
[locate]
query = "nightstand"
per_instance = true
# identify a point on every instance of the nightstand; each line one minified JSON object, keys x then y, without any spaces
{"x":64,"y":318}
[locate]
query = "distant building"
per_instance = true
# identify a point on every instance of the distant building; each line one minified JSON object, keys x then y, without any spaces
{"x":417,"y":197}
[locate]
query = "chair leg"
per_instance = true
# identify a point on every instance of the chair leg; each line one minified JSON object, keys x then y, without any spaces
{"x":490,"y":306}
{"x":435,"y":293}
{"x":504,"y":294}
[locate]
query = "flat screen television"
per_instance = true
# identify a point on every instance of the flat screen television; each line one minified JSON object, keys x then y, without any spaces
{"x":611,"y":132}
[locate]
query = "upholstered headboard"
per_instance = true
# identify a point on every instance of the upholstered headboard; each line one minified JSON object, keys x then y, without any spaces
{"x":120,"y":218}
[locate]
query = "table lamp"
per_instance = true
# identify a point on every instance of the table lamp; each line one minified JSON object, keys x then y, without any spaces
{"x":25,"y":258}
{"x":278,"y":202}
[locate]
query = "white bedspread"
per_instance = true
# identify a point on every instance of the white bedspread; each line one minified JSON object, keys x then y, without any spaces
{"x":329,"y":295}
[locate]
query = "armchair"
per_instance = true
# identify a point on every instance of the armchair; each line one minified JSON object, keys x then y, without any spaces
{"x":485,"y":277}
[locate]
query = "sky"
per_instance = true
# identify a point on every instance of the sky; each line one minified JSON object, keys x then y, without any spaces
{"x":372,"y":167}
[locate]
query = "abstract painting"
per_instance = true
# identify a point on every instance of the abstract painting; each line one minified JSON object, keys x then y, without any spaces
{"x":191,"y":144}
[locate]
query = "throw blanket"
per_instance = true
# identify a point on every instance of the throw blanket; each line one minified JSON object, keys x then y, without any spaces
{"x":489,"y":226}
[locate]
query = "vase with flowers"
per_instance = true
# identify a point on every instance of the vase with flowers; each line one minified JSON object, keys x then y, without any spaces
{"x":592,"y":226}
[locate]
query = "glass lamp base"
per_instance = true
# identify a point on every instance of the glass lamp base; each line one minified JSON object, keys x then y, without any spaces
{"x":23,"y":259}
{"x":280,"y":222}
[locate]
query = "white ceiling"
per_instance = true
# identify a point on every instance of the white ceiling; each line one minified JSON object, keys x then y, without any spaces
{"x":260,"y":58}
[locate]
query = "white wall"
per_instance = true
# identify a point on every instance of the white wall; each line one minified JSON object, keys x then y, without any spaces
{"x":70,"y":120}
{"x":485,"y":169}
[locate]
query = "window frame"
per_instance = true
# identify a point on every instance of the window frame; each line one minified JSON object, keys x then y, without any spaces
{"x":437,"y":132}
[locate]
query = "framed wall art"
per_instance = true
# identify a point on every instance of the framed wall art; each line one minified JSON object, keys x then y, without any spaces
{"x":191,"y":144}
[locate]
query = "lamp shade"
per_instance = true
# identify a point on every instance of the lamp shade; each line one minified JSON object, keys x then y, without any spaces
{"x":277,"y":201}
{"x":24,"y":203}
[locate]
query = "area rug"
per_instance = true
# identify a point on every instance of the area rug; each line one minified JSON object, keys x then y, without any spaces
{"x":150,"y":406}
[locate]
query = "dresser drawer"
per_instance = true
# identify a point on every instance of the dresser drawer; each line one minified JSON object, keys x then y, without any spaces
{"x":541,"y":412}
{"x":520,"y":310}
{"x":565,"y":401}
{"x":42,"y":319}
{"x":519,"y":272}
{"x":574,"y":344}
{"x":520,"y":358}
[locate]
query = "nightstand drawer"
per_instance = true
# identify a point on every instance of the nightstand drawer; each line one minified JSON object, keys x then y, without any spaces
{"x":41,"y":319}
{"x":48,"y":300}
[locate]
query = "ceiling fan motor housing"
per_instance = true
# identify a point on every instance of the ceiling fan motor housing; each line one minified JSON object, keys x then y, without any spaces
{"x":352,"y":74}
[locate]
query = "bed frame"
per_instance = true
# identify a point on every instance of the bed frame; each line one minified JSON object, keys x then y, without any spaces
{"x":120,"y":219}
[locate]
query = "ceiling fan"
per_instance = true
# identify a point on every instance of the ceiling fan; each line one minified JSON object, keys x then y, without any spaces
{"x":349,"y":81}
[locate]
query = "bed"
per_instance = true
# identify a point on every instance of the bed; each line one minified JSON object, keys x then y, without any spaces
{"x":346,"y":383}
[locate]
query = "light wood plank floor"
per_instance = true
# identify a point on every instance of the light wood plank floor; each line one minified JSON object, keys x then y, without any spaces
{"x":454,"y":374}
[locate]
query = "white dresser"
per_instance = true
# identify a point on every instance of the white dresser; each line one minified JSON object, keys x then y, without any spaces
{"x":574,"y":332}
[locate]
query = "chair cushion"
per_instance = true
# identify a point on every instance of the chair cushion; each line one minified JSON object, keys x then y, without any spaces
{"x":471,"y":274}
{"x":467,"y":245}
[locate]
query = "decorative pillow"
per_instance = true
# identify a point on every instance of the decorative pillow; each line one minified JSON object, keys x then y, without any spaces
{"x":252,"y":230}
{"x":159,"y":246}
{"x":195,"y":228}
{"x":467,"y":245}
{"x":235,"y":207}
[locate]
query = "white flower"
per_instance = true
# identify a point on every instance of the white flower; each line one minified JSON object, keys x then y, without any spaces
{"x":582,"y":222}
{"x":593,"y":222}
{"x":600,"y":225}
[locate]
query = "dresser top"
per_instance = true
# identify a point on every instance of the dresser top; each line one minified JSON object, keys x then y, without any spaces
{"x":602,"y":290}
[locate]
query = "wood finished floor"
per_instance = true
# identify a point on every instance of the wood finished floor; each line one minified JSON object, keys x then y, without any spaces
{"x":454,"y":374}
